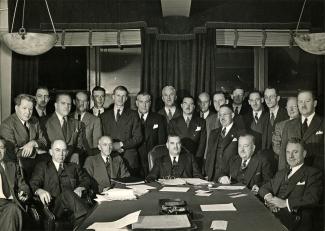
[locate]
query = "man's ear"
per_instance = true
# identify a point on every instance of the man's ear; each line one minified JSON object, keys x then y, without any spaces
{"x":262,"y":100}
{"x":304,"y":153}
{"x":51,"y":153}
{"x":74,"y":102}
{"x":278,"y":98}
{"x":315,"y":103}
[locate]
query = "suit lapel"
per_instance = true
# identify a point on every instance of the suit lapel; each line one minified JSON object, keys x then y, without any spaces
{"x":148,"y":126}
{"x":86,"y":118}
{"x":21,"y":128}
{"x":167,"y":164}
{"x":251,"y":169}
{"x":181,"y":163}
{"x":313,"y":126}
{"x":100,"y":165}
{"x":294,"y":179}
{"x":57,"y":125}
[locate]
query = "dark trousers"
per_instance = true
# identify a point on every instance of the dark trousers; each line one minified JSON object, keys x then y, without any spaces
{"x":70,"y":201}
{"x":10,"y":216}
{"x":296,"y":222}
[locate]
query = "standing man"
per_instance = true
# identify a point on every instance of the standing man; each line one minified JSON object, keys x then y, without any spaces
{"x":98,"y":94}
{"x":23,"y":134}
{"x":59,"y":185}
{"x":238,"y":106}
{"x":124,"y":126}
{"x":42,"y":109}
{"x":91,"y":125}
{"x":248,"y":167}
{"x":222,"y":145}
{"x":153,"y":126}
{"x":294,"y":191}
{"x":61,"y":127}
{"x":175,"y":163}
{"x":191,"y":129}
{"x":309,"y":127}
{"x":14,"y":190}
{"x":105,"y":165}
{"x":170,"y":110}
{"x":204,"y":103}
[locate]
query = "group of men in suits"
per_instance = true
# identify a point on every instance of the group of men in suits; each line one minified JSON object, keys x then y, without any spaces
{"x":237,"y":142}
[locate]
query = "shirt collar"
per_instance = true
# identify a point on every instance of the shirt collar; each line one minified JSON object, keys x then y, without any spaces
{"x":275,"y":111}
{"x":238,"y":106}
{"x":23,"y":122}
{"x":228,"y":128}
{"x":247,"y":161}
{"x":295,"y":169}
{"x":258,"y":113}
{"x":172,"y":109}
{"x":40,"y":111}
{"x":187,"y":116}
{"x":60,"y":117}
{"x":172,"y":158}
{"x":145,"y":115}
{"x":118,"y":108}
{"x":104,"y":157}
{"x":97,"y":110}
{"x":56,"y":164}
{"x":82,"y":115}
{"x":205,"y":114}
{"x":309,"y":119}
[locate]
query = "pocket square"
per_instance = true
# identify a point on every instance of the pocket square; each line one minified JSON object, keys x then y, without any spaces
{"x":234,"y":139}
{"x":301,"y":183}
{"x":319,"y":133}
{"x":155,"y":126}
{"x":198,"y":128}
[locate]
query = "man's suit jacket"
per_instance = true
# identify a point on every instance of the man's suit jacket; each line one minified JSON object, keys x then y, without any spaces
{"x":16,"y":182}
{"x":14,"y":132}
{"x":257,"y":172}
{"x":304,"y":191}
{"x":154,"y":131}
{"x":177,"y":113}
{"x":193,"y":137}
{"x":126,"y":130}
{"x":73,"y":140}
{"x":313,"y":139}
{"x":96,"y":168}
{"x":91,"y":131}
{"x":217,"y":166}
{"x":268,"y":128}
{"x":277,"y":136}
{"x":187,"y":167}
{"x":45,"y":176}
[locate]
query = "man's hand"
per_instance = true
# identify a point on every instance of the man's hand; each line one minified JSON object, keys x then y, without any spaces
{"x":79,"y":190}
{"x":224,"y":180}
{"x":44,"y":196}
{"x":27,"y":149}
{"x":22,"y":196}
{"x":255,"y":189}
{"x":277,"y":202}
{"x":74,"y":158}
{"x":117,"y":147}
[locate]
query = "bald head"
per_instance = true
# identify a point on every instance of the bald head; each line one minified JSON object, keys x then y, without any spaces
{"x":105,"y":145}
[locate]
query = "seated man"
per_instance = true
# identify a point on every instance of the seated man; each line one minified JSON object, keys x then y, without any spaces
{"x":59,"y":185}
{"x":105,"y":165}
{"x":293,"y":192}
{"x":248,"y":167}
{"x":175,"y":163}
{"x":13,"y":190}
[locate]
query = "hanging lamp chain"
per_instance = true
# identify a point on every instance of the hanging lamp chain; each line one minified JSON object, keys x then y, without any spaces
{"x":48,"y":10}
{"x":14,"y":16}
{"x":300,"y":16}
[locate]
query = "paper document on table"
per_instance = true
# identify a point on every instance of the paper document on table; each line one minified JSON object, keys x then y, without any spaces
{"x":174,"y":189}
{"x":219,"y":225}
{"x":162,"y":222}
{"x":218,"y":207}
{"x":177,"y":181}
{"x":115,"y":225}
{"x":196,"y":181}
{"x":231,"y":187}
{"x":140,"y":187}
{"x":238,"y":195}
{"x":119,"y":194}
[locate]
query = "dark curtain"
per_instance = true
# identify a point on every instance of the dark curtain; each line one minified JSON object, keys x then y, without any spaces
{"x":24,"y":74}
{"x":183,"y":61}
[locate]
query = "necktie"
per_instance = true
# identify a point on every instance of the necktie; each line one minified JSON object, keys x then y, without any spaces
{"x":107,"y":162}
{"x":288,"y":173}
{"x":256,"y":117}
{"x":60,"y":170}
{"x":118,"y":115}
{"x":142,"y":118}
{"x":272,"y":118}
{"x":223,"y":132}
{"x":43,"y":114}
{"x":243,"y":165}
{"x":174,"y":161}
{"x":170,"y":115}
{"x":64,"y":127}
{"x":202,"y":115}
{"x":4,"y":182}
{"x":188,"y":121}
{"x":236,"y":110}
{"x":26,"y":128}
{"x":304,"y":126}
{"x":79,"y":117}
{"x":107,"y":165}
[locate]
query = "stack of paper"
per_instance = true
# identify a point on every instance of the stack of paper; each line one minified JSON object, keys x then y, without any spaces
{"x":116,"y":225}
{"x":162,"y":222}
{"x":174,"y":189}
{"x":177,"y":181}
{"x":218,"y":207}
{"x":119,"y":194}
{"x":230,"y":187}
{"x":203,"y":193}
{"x":196,"y":181}
{"x":219,"y":225}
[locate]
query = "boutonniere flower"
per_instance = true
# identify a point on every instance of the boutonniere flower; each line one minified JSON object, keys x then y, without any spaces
{"x":319,"y":132}
{"x":198,"y":128}
{"x":155,"y":126}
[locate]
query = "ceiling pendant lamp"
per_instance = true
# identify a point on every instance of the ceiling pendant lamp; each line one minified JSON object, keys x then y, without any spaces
{"x":313,"y":43}
{"x":28,"y":43}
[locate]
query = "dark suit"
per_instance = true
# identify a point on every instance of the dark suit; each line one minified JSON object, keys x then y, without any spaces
{"x":257,"y":172}
{"x":61,"y":186}
{"x":303,"y":191}
{"x":313,"y":139}
{"x":91,"y":131}
{"x":177,"y":113}
{"x":73,"y":140}
{"x":10,"y":210}
{"x":126,"y":130}
{"x":91,"y":111}
{"x":220,"y":151}
{"x":185,"y":168}
{"x":42,"y":119}
{"x":96,"y":168}
{"x":193,"y":137}
{"x":154,"y":131}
